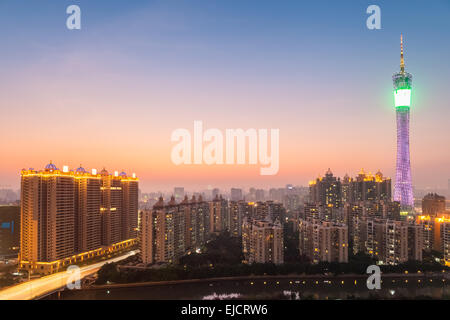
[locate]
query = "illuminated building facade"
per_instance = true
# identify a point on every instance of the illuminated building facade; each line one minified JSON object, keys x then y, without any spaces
{"x":389,"y":241}
{"x":445,"y":239}
{"x":238,"y":210}
{"x":63,"y":216}
{"x":219,"y":215}
{"x":431,"y":226}
{"x":188,"y":209}
{"x":171,"y":229}
{"x":130,"y":205}
{"x":436,"y":231}
{"x":402,"y":94}
{"x":311,"y":211}
{"x":368,"y":187}
{"x":330,"y":191}
{"x":266,"y":210}
{"x":415,"y":242}
{"x":262,"y":241}
{"x":326,"y":190}
{"x":146,"y":236}
{"x":321,"y":240}
{"x":88,"y":224}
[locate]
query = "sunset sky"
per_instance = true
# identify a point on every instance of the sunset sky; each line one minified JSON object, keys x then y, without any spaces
{"x":110,"y":95}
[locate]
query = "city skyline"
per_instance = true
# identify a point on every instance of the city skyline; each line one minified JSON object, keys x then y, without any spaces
{"x":224,"y":150}
{"x":222,"y":77}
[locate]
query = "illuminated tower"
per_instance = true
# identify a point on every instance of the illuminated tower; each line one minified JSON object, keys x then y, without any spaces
{"x":402,"y":94}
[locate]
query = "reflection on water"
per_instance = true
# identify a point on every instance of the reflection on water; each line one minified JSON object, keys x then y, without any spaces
{"x":294,"y":288}
{"x":222,"y":296}
{"x":293,"y":295}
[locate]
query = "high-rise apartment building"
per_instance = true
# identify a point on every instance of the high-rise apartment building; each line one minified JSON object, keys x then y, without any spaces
{"x":164,"y":239}
{"x":311,"y":211}
{"x":111,"y":207}
{"x":130,"y":205}
{"x":238,"y":211}
{"x":146,"y":236}
{"x":326,"y":190}
{"x":188,"y":208}
{"x":262,"y":241}
{"x":415,"y":242}
{"x":368,"y":187}
{"x":88,"y":224}
{"x":219,"y":215}
{"x":323,"y":240}
{"x":445,"y":239}
{"x":267,"y":210}
{"x":389,"y":240}
{"x":68,"y":216}
{"x":170,"y":230}
{"x":431,"y":226}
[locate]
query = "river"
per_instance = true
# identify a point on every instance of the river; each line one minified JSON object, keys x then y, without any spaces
{"x":292,"y":287}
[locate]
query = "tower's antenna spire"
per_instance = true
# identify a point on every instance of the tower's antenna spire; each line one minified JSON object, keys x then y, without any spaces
{"x":402,"y":60}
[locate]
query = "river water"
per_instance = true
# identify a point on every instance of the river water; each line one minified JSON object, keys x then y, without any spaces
{"x":272,"y":288}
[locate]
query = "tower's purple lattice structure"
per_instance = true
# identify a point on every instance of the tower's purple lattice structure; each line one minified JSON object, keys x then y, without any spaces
{"x":403,"y":184}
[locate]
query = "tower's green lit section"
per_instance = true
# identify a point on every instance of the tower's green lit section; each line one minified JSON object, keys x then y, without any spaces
{"x":402,"y":100}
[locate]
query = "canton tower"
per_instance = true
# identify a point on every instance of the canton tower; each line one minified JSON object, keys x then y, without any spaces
{"x":402,"y":96}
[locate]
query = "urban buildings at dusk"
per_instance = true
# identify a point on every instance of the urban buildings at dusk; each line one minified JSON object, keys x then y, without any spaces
{"x":262,"y":241}
{"x":322,"y":240}
{"x":361,"y":176}
{"x":69,"y":216}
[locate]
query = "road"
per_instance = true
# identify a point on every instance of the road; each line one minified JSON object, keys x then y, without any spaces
{"x":38,"y":287}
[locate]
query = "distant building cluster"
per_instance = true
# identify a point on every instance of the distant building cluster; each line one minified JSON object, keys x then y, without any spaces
{"x":8,"y":196}
{"x":172,"y":229}
{"x":69,"y":216}
{"x":359,"y":212}
{"x":330,"y":191}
